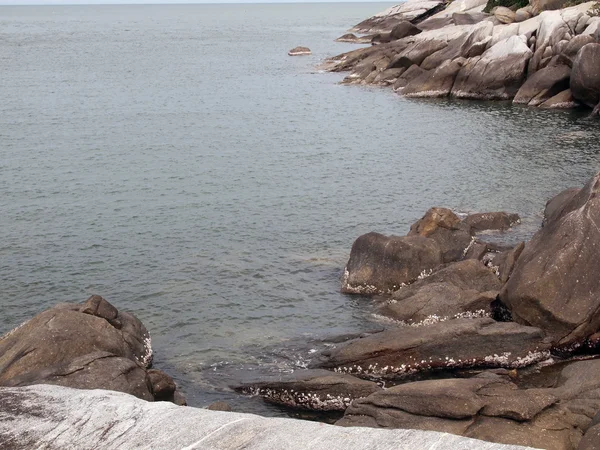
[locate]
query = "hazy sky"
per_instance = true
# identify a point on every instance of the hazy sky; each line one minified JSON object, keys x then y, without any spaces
{"x":100,"y":2}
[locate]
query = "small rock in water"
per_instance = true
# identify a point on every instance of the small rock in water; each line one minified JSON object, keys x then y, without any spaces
{"x":299,"y":51}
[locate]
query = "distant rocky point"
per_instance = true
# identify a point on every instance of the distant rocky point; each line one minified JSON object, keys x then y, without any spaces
{"x":543,"y":54}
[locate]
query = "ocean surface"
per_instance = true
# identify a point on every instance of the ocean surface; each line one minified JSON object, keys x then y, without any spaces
{"x":176,"y":161}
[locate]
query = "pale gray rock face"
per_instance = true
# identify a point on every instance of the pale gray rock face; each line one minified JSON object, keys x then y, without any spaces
{"x":495,"y":75}
{"x":504,"y":15}
{"x":406,"y":11}
{"x":54,"y":418}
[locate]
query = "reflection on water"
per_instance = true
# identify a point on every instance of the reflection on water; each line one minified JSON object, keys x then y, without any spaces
{"x":214,"y":186}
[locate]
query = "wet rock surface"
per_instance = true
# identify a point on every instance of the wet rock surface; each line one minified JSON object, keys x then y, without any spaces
{"x":88,"y":346}
{"x":459,"y":343}
{"x":315,"y":390}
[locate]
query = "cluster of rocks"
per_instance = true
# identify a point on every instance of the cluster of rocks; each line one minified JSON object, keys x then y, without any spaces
{"x":531,"y":55}
{"x":87,"y":346}
{"x":490,"y":342}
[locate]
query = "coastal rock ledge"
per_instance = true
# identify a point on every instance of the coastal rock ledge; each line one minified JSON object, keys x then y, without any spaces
{"x":54,"y":417}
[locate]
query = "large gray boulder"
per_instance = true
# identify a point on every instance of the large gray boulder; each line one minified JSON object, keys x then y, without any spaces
{"x":555,"y":284}
{"x":462,"y":287}
{"x":88,"y":346}
{"x":495,"y":75}
{"x":58,"y":418}
{"x":585,"y":77}
{"x":381,"y":264}
{"x":453,"y":344}
{"x":315,"y":390}
{"x":543,"y":85}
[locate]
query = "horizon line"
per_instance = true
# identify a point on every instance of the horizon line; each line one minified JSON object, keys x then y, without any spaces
{"x":177,"y":2}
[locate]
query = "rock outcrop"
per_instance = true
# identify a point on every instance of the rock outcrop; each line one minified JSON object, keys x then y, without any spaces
{"x":381,"y":264}
{"x":88,"y":346}
{"x":463,"y":52}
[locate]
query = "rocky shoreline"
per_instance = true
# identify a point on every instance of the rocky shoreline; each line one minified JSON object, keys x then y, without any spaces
{"x":485,"y":341}
{"x":536,"y":54}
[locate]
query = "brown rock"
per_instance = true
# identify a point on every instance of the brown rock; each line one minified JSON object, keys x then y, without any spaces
{"x":554,"y":284}
{"x":445,"y":228}
{"x":543,"y":85}
{"x":219,"y":406}
{"x":459,"y":343}
{"x":381,"y":264}
{"x":462,"y":287}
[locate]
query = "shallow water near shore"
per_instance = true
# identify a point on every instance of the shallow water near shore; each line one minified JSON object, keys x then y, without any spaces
{"x":176,"y":161}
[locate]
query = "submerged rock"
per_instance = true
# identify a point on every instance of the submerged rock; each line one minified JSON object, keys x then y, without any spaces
{"x":491,"y":221}
{"x":459,"y":343}
{"x":299,"y":51}
{"x":315,"y":390}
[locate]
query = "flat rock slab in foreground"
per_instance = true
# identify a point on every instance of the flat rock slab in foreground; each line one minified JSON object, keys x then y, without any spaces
{"x":55,"y":417}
